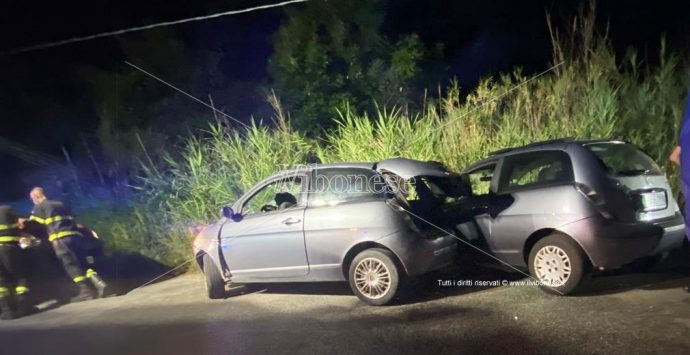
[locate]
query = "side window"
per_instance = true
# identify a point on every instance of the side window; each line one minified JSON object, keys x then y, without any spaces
{"x":420,"y":188}
{"x":336,"y":185}
{"x":278,"y":195}
{"x":536,"y":169}
{"x":480,"y":180}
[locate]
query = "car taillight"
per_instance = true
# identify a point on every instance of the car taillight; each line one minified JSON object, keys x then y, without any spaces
{"x":596,"y":199}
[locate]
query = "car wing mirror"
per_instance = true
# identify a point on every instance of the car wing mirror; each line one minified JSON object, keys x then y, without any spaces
{"x":228,"y":213}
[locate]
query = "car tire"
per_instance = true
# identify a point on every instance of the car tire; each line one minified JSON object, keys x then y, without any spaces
{"x":374,"y":276}
{"x":560,"y":262}
{"x":215,"y":285}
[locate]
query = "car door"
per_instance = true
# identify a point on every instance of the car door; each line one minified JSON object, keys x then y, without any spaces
{"x":268,"y":241}
{"x":529,"y":193}
{"x":480,"y":181}
{"x":346,"y":206}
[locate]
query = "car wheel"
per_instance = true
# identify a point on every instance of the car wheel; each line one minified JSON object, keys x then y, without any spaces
{"x":558,"y":264}
{"x":215,"y":285}
{"x":374,"y":276}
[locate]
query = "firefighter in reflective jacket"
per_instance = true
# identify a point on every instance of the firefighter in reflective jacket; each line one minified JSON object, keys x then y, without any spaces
{"x":13,"y":268}
{"x":64,"y":235}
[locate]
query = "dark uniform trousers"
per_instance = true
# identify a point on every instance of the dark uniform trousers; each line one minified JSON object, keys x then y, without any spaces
{"x":13,"y":265}
{"x":13,"y":268}
{"x":69,"y":252}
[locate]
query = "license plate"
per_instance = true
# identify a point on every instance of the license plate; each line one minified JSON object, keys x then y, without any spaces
{"x":652,"y":201}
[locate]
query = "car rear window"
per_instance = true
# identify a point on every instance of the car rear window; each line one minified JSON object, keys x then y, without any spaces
{"x":624,"y":159}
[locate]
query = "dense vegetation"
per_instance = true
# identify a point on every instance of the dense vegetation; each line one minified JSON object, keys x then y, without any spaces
{"x":591,"y":94}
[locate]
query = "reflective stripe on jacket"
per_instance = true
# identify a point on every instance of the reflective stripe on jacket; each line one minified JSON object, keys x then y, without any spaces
{"x":56,"y":217}
{"x":9,"y":229}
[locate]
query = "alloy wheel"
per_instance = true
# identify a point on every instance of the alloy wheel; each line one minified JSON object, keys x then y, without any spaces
{"x":372,"y":278}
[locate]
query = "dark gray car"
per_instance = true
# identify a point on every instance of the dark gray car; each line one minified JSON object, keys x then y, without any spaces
{"x":563,"y":207}
{"x":333,"y":222}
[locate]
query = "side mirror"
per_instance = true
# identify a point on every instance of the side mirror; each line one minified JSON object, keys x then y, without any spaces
{"x":228,"y":213}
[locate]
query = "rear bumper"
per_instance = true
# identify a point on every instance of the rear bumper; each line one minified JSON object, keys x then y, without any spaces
{"x":611,"y":244}
{"x":673,"y":235}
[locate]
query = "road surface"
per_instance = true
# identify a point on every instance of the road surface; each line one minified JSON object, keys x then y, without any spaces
{"x":620,"y":313}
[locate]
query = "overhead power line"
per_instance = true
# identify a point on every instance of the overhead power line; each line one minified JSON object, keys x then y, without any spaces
{"x":25,"y":153}
{"x":141,"y":28}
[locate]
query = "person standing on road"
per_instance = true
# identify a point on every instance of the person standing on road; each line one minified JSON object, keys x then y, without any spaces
{"x":14,"y":301}
{"x":674,"y":157}
{"x":66,"y":239}
{"x":681,"y":155}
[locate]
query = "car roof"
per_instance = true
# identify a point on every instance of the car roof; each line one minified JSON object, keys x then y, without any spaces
{"x":409,"y":168}
{"x":365,"y":165}
{"x":554,"y":144}
{"x":405,"y":168}
{"x":308,"y":167}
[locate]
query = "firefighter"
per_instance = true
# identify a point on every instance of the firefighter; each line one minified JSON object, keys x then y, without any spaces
{"x":63,"y":234}
{"x":13,"y":268}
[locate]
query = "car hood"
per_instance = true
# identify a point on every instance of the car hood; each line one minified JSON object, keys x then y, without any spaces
{"x":408,"y":168}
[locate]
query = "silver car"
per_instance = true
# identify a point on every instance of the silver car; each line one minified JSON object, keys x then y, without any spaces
{"x":562,"y":208}
{"x":333,"y":222}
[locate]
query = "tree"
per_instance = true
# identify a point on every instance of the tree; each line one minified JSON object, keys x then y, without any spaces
{"x":333,"y":52}
{"x":140,"y":118}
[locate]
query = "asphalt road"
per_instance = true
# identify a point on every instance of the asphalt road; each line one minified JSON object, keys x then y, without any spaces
{"x":618,"y":313}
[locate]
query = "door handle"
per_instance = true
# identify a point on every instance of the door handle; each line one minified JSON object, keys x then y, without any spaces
{"x":291,"y":220}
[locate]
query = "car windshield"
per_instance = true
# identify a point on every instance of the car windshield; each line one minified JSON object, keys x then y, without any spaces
{"x":624,"y":159}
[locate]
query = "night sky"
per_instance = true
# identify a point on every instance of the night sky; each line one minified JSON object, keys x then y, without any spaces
{"x":479,"y":37}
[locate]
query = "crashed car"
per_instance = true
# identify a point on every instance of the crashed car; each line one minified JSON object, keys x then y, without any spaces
{"x":565,"y":207}
{"x":351,"y":222}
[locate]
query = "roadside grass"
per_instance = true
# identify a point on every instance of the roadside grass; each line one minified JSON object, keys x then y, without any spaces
{"x":592,"y":95}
